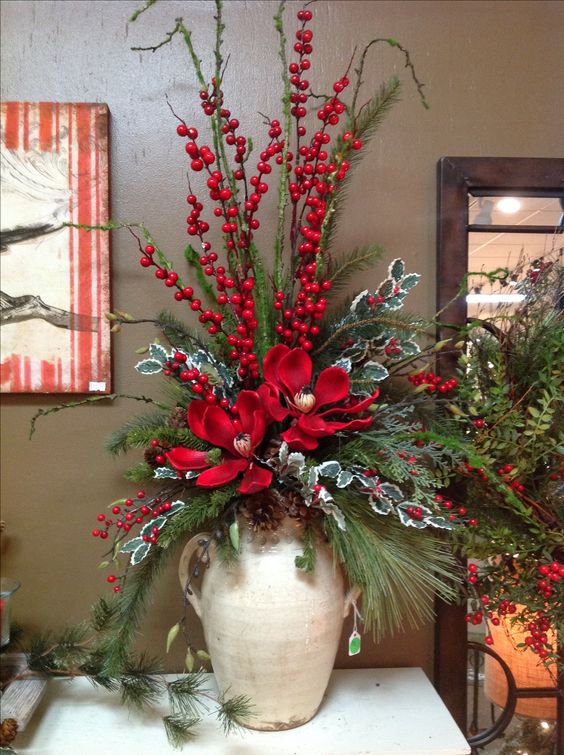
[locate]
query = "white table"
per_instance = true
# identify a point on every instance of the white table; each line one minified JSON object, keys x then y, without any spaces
{"x":364,"y":712}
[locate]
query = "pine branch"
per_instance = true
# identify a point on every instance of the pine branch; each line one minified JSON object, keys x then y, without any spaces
{"x":364,"y":127}
{"x":180,"y":729}
{"x":141,"y":472}
{"x":360,"y":258}
{"x":139,"y":685}
{"x":397,"y":569}
{"x":202,"y":507}
{"x":233,"y":711}
{"x":306,"y":561}
{"x":131,"y":603}
{"x":187,"y":694}
{"x":118,"y":441}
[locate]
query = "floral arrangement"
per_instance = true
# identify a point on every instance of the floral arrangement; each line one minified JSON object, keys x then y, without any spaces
{"x":509,"y":401}
{"x":287,"y":401}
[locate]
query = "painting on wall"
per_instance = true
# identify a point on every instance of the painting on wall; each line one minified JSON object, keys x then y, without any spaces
{"x":55,"y":278}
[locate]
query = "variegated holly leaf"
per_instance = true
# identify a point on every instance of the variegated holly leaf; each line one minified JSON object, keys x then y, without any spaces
{"x":163,"y":473}
{"x":440,"y":522}
{"x":344,"y":478}
{"x":175,"y":507}
{"x":409,"y":281}
{"x":329,"y":469}
{"x":361,"y":297}
{"x":390,"y":492}
{"x":295,"y":464}
{"x":344,"y":364}
{"x":409,"y":348}
{"x":386,"y":288}
{"x":156,"y":523}
{"x":396,"y":269}
{"x":375,"y":371}
{"x":132,"y":545}
{"x":329,"y":507}
{"x":149,"y":367}
{"x":158,"y":352}
{"x":139,"y":553}
{"x":380,"y":505}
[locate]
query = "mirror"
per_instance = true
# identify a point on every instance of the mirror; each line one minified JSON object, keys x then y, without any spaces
{"x":492,"y":213}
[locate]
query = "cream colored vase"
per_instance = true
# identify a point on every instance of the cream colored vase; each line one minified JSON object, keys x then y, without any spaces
{"x":271,"y":630}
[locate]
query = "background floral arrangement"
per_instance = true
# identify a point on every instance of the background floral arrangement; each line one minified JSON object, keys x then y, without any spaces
{"x":509,"y":400}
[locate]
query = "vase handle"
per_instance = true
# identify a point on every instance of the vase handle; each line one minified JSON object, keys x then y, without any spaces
{"x":352,"y":595}
{"x":184,"y":571}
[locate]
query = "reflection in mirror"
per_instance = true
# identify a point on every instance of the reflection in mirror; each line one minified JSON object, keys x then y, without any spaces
{"x":493,"y":213}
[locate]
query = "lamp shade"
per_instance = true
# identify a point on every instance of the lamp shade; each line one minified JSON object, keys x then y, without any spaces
{"x":527,"y":670}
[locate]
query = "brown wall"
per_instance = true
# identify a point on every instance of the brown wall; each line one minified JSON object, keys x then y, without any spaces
{"x":493,"y":73}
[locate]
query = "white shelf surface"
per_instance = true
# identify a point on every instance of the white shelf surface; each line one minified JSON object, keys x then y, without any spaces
{"x":364,"y":712}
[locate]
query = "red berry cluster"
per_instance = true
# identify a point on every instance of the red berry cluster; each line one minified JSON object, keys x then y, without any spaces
{"x":537,"y":637}
{"x":479,"y":471}
{"x":505,"y":473}
{"x":300,"y":322}
{"x":198,"y":381}
{"x":433,"y":382}
{"x":457,"y":513}
{"x":550,"y":575}
{"x":184,"y":293}
{"x":131,"y":513}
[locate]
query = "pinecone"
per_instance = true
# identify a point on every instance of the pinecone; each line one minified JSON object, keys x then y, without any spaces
{"x":151,"y":454}
{"x":264,"y":510}
{"x":177,"y":418}
{"x":8,"y":731}
{"x":296,"y":508}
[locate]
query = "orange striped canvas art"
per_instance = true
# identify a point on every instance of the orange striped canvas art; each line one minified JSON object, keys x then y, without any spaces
{"x":55,"y":279}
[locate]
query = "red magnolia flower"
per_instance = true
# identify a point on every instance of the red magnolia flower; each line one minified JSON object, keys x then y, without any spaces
{"x":239,"y":438}
{"x":289,"y":371}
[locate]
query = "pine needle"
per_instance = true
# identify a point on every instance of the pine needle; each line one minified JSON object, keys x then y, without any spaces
{"x":180,"y":729}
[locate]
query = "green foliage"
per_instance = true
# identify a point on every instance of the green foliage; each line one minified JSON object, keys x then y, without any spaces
{"x":118,"y":441}
{"x":398,"y":569}
{"x":306,"y":561}
{"x":141,"y":472}
{"x":361,"y":258}
{"x":130,"y":605}
{"x":140,"y":687}
{"x":203,"y":507}
{"x":232,"y":711}
{"x":180,"y":728}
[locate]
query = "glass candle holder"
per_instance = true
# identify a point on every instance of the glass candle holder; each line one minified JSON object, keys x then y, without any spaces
{"x":7,"y":588}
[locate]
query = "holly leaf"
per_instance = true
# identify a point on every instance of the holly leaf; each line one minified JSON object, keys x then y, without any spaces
{"x":344,"y":364}
{"x":162,"y":473}
{"x":344,"y":478}
{"x":381,"y":506}
{"x":157,"y":523}
{"x":386,"y":288}
{"x":149,"y":367}
{"x":139,"y":553}
{"x":391,"y":492}
{"x":132,"y":545}
{"x":410,"y":281}
{"x":396,"y":269}
{"x":156,"y":351}
{"x":329,"y":468}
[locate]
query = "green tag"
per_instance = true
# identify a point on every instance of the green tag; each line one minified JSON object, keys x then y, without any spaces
{"x":354,"y":643}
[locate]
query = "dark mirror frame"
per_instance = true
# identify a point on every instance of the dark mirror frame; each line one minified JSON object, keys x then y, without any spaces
{"x":457,"y":178}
